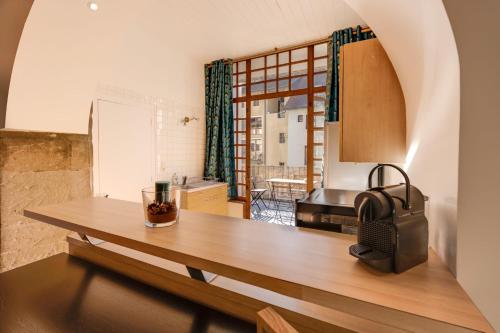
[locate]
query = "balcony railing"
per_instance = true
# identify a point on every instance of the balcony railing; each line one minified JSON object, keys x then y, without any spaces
{"x":260,"y":173}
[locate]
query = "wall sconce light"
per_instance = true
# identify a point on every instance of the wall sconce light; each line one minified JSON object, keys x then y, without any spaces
{"x":186,"y":120}
{"x":93,"y":6}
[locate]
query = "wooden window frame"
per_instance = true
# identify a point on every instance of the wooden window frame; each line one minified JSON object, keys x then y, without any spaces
{"x":310,"y":90}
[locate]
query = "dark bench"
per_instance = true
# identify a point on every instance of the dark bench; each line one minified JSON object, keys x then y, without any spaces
{"x":67,"y":294}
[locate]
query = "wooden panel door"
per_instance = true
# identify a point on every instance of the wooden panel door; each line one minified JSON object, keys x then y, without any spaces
{"x":372,"y":107}
{"x":124,"y":146}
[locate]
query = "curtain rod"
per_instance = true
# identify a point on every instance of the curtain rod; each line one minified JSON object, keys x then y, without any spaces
{"x":290,"y":47}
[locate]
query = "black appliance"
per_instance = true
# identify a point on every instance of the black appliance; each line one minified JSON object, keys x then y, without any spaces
{"x":327,"y":209}
{"x":392,"y":228}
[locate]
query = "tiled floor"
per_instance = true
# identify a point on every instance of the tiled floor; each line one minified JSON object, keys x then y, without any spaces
{"x":270,"y":213}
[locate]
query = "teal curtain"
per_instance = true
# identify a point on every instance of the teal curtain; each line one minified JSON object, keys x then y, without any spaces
{"x":219,"y":154}
{"x":339,"y":38}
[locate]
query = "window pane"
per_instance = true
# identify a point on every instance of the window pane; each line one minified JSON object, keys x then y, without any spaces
{"x":241,"y":151}
{"x":257,"y":88}
{"x":320,"y":50}
{"x":320,"y":80}
{"x":318,"y":151}
{"x":242,"y":66}
{"x":282,"y":138}
{"x":319,"y":102}
{"x":319,"y":136}
{"x":271,"y":60}
{"x":241,"y":190}
{"x":256,"y":125}
{"x":257,"y":63}
{"x":271,"y":73}
{"x":235,"y":67}
{"x":257,"y":151}
{"x":234,"y":92}
{"x":234,"y":80}
{"x":300,"y":54}
{"x":240,"y":177}
{"x":242,"y":91}
{"x":319,"y":121}
{"x":299,"y":83}
{"x":317,"y":166}
{"x":257,"y":76}
{"x":240,"y":164}
{"x":317,"y":181}
{"x":320,"y":65}
{"x":283,"y":58}
{"x":283,"y":85}
{"x":283,"y":71}
{"x":241,"y":125}
{"x":240,"y":138}
{"x":271,"y":86}
{"x":299,"y":69}
{"x":241,"y":109}
{"x":242,"y":78}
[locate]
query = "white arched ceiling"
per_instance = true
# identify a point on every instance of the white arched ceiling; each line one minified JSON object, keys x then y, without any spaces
{"x":419,"y":41}
{"x":151,"y":48}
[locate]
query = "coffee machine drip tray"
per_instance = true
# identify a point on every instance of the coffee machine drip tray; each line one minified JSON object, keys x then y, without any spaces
{"x":379,"y":260}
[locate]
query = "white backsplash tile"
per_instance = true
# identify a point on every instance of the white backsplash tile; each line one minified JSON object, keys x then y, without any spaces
{"x":180,"y":149}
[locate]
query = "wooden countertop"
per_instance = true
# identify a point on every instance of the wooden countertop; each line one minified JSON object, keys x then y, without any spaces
{"x":308,"y":264}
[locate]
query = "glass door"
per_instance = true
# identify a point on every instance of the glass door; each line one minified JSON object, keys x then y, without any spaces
{"x":279,"y":105}
{"x":278,"y":157}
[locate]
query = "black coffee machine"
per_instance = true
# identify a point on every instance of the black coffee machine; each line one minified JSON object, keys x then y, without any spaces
{"x":392,"y":228}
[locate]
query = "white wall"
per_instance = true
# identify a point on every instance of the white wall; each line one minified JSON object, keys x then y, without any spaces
{"x":67,"y":51}
{"x":418,"y":39}
{"x":343,"y":175}
{"x":478,"y":269}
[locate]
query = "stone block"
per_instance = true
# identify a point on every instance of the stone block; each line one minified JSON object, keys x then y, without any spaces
{"x":38,"y":168}
{"x":40,"y":151}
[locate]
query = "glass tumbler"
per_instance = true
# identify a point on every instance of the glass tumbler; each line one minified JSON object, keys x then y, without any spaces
{"x":160,"y":208}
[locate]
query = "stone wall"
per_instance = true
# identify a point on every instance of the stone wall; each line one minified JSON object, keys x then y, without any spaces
{"x":38,"y":168}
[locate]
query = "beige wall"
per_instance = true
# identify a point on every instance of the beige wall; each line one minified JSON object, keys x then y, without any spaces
{"x":418,"y":39}
{"x":478,"y":269}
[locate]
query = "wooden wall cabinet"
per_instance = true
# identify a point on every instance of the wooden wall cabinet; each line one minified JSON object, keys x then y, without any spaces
{"x":371,"y":103}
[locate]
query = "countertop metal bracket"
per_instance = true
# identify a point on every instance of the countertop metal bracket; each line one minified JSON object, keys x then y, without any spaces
{"x":90,"y":240}
{"x":200,"y":275}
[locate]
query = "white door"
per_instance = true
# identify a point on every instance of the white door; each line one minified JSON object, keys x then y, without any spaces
{"x":124,"y":149}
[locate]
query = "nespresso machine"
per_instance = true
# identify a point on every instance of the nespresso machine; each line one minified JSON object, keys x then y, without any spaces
{"x":392,"y":228}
